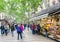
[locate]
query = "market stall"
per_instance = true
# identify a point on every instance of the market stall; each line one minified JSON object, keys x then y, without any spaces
{"x":52,"y":25}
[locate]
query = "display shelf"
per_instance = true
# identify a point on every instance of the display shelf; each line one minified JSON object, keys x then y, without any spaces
{"x":58,"y":39}
{"x":43,"y":33}
{"x":50,"y":37}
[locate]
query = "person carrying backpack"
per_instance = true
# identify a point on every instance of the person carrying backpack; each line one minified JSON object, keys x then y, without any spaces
{"x":19,"y":31}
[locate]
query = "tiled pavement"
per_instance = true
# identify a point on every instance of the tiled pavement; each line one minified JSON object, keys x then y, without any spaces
{"x":27,"y":37}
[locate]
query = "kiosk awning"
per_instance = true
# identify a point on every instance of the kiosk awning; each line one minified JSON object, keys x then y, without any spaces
{"x":43,"y":13}
{"x":39,"y":17}
{"x":48,"y":10}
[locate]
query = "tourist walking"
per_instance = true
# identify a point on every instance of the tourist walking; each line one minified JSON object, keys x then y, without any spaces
{"x":2,"y":30}
{"x":19,"y":31}
{"x":12,"y":29}
{"x":38,"y":28}
{"x":33,"y":28}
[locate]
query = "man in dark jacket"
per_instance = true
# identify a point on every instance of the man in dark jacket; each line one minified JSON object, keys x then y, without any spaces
{"x":38,"y":28}
{"x":2,"y":30}
{"x":12,"y":29}
{"x":19,"y":31}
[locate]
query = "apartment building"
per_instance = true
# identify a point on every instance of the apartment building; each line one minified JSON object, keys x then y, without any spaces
{"x":49,"y":3}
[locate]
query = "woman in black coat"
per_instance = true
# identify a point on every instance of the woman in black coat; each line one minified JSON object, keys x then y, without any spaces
{"x":2,"y":30}
{"x":38,"y":28}
{"x":12,"y":29}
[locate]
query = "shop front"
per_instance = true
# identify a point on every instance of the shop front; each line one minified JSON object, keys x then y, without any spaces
{"x":50,"y":25}
{"x":54,"y":28}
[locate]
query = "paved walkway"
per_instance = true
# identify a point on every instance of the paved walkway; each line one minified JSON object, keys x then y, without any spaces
{"x":27,"y":37}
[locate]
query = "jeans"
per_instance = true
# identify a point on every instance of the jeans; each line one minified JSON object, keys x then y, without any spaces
{"x":6,"y":32}
{"x":12,"y":33}
{"x":28,"y":28}
{"x":19,"y":34}
{"x":2,"y":32}
{"x":46,"y":34}
{"x":33,"y":31}
{"x":38,"y":31}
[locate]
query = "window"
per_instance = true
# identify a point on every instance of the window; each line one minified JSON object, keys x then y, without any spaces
{"x":53,"y":2}
{"x":48,"y":0}
{"x":57,"y":19}
{"x":59,"y":0}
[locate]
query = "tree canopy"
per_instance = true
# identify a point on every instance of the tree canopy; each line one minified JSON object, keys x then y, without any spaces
{"x":19,"y":7}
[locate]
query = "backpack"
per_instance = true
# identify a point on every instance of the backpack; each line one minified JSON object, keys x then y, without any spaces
{"x":22,"y":27}
{"x":19,"y":29}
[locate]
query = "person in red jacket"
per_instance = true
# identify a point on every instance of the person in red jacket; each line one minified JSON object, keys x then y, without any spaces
{"x":33,"y":28}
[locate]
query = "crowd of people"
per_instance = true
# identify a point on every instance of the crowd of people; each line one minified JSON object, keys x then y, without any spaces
{"x":7,"y":28}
